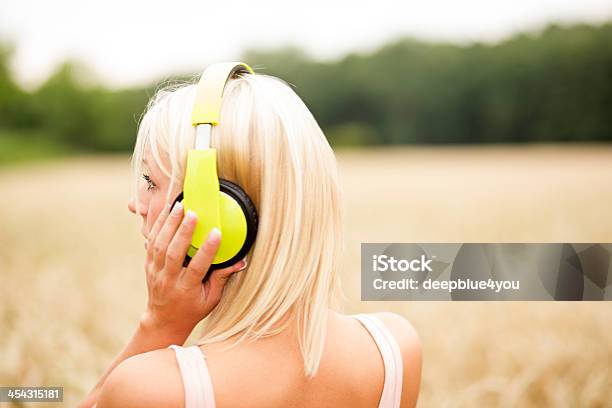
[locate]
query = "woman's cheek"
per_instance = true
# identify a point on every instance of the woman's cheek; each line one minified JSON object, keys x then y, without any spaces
{"x":155,"y":210}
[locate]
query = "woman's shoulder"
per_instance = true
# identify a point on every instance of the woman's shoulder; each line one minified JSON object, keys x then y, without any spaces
{"x":410,"y":346}
{"x":150,"y":379}
{"x":153,"y":379}
{"x":401,"y":328}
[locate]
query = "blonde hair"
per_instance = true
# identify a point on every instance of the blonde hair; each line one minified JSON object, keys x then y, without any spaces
{"x":269,"y":143}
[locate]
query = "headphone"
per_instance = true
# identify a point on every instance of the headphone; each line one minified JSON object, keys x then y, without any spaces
{"x":217,"y":202}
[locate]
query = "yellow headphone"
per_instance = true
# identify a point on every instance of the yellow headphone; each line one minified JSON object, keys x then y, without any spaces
{"x":217,"y":202}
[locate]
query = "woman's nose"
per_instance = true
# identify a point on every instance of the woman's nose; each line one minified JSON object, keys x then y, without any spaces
{"x":132,"y":206}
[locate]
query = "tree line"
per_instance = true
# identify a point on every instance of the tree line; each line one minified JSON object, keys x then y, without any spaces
{"x":554,"y":85}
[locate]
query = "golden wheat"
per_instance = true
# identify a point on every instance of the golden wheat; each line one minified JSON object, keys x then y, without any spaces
{"x":73,"y":284}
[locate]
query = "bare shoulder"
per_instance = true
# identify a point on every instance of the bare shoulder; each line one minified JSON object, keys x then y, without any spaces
{"x":402,"y":330}
{"x":410,"y":347}
{"x":150,"y":379}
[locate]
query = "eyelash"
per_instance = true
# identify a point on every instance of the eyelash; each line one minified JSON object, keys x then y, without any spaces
{"x":151,"y":185}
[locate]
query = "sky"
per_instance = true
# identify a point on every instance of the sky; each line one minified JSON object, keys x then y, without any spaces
{"x":128,"y":42}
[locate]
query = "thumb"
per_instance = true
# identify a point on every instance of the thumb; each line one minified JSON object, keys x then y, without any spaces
{"x":213,"y":287}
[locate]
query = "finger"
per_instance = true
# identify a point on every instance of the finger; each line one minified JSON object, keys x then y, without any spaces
{"x":199,"y":264}
{"x":214,"y":286}
{"x":166,"y":233}
{"x":175,"y":255}
{"x":161,"y":218}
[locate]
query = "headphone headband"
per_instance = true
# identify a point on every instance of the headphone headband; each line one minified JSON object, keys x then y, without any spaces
{"x":207,"y":106}
{"x":220,"y":205}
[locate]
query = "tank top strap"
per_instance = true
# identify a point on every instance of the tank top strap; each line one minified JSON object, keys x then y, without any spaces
{"x":196,"y":378}
{"x":392,"y":359}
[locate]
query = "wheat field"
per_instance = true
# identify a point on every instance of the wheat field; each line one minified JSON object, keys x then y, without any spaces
{"x":73,"y":286}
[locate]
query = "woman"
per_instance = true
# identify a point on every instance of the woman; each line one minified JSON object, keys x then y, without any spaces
{"x":271,"y":337}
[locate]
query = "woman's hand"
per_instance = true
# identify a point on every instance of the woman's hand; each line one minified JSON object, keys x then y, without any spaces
{"x":178,"y":299}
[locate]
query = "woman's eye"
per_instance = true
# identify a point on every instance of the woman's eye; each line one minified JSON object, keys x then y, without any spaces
{"x":150,"y":184}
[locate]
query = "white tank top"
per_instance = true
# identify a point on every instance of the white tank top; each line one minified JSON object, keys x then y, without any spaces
{"x":198,"y":385}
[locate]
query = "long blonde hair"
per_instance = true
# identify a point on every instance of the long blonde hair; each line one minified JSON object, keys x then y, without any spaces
{"x":269,"y":143}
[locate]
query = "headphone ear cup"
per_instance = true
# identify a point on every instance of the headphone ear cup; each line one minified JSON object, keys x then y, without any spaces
{"x":236,"y":193}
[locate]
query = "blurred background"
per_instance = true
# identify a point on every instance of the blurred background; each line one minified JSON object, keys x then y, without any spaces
{"x":468,"y":121}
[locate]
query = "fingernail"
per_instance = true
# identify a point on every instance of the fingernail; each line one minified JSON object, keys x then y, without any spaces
{"x":178,"y":208}
{"x":242,"y":265}
{"x":190,"y":217}
{"x":214,"y":236}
